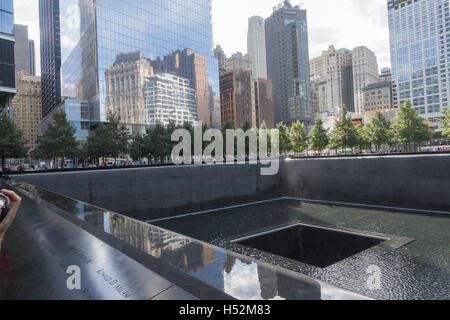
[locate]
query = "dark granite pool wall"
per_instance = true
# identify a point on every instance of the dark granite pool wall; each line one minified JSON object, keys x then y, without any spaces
{"x":416,"y":182}
{"x":152,"y":193}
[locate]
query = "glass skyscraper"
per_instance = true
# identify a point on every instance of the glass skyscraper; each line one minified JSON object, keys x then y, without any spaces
{"x":7,"y":68}
{"x":110,"y":47}
{"x":288,"y":63}
{"x":420,"y":53}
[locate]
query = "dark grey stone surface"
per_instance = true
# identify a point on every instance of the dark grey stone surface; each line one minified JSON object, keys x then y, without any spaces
{"x":415,"y":182}
{"x":152,"y":193}
{"x":40,"y":247}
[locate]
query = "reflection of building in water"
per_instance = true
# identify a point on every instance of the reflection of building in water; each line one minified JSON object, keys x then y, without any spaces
{"x":169,"y":98}
{"x":192,"y":66}
{"x":125,"y":87}
{"x":275,"y":284}
{"x":173,"y":249}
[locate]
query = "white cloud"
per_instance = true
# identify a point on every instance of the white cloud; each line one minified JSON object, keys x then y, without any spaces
{"x":344,"y":23}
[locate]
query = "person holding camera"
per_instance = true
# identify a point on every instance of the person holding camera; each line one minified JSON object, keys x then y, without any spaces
{"x":9,"y":203}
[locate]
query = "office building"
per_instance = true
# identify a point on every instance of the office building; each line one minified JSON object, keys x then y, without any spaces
{"x":319,"y":94}
{"x":378,"y":97}
{"x":287,"y":52}
{"x":24,"y":50}
{"x":50,"y":37}
{"x":262,"y":104}
{"x":95,"y":33}
{"x":256,"y":46}
{"x":221,"y":57}
{"x":420,"y":54}
{"x":169,"y":98}
{"x":365,"y":72}
{"x":319,"y":65}
{"x":246,"y":99}
{"x":236,"y":98}
{"x":340,"y":81}
{"x":7,"y":68}
{"x":26,"y":110}
{"x":239,"y":62}
{"x":386,"y":74}
{"x":32,"y":49}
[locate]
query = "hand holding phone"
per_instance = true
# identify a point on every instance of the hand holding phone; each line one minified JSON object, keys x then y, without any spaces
{"x":4,"y":208}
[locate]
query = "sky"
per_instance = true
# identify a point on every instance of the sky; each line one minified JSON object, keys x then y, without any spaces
{"x":343,"y":23}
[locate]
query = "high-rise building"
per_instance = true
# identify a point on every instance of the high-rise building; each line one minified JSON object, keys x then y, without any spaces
{"x":246,"y":99}
{"x":32,"y":48}
{"x":24,"y":50}
{"x":287,"y":53}
{"x":256,"y":46}
{"x":236,"y":98}
{"x":239,"y":62}
{"x":94,"y":33}
{"x":49,"y":25}
{"x":169,"y":98}
{"x":340,"y":81}
{"x":319,"y":65}
{"x":365,"y":72}
{"x":7,"y":68}
{"x":221,"y":59}
{"x":319,"y":94}
{"x":420,"y":54}
{"x":262,"y":104}
{"x":378,"y":97}
{"x":26,"y":110}
{"x":386,"y":75}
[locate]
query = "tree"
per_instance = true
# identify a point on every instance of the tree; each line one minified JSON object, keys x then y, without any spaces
{"x":12,"y":143}
{"x":345,"y":134}
{"x":109,"y":139}
{"x":378,"y":131}
{"x":409,"y":128}
{"x":446,"y":123}
{"x":298,"y":137}
{"x":285,"y":143}
{"x":363,"y":138}
{"x":156,"y":142}
{"x":58,"y":139}
{"x":137,"y":147}
{"x":319,"y":139}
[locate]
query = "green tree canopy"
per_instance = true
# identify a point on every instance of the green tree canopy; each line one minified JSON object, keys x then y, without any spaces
{"x":319,"y":138}
{"x":410,"y":128}
{"x":157,"y":142}
{"x":379,"y":131}
{"x":285,"y":143}
{"x":137,"y":147}
{"x":298,"y":137}
{"x":109,"y":139}
{"x":446,"y":123}
{"x":345,"y":134}
{"x":58,"y":139}
{"x":363,"y":138}
{"x":12,"y":143}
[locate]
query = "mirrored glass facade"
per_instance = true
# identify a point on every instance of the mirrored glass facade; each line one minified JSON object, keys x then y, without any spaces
{"x":420,"y":53}
{"x":109,"y":48}
{"x":7,"y":68}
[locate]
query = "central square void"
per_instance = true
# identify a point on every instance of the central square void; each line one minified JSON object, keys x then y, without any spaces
{"x":316,"y":246}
